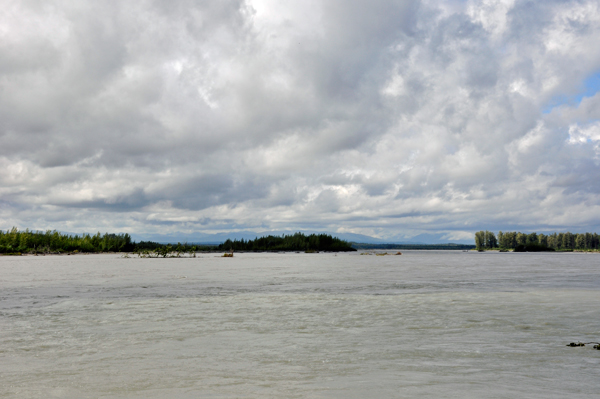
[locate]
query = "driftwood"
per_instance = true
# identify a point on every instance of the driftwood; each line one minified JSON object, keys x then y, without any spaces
{"x":576,"y":344}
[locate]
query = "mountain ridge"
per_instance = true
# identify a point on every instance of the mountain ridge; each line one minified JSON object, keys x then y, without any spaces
{"x":218,"y":238}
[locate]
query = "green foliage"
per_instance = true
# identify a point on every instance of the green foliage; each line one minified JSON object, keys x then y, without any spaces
{"x":485,"y":240}
{"x":556,"y":241}
{"x":295,"y":242}
{"x":533,"y":247}
{"x":54,"y":242}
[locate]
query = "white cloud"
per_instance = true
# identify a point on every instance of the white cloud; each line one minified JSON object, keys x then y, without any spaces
{"x":391,"y":118}
{"x":587,"y":135}
{"x":580,"y":135}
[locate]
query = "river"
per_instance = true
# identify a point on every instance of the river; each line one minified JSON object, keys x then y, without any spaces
{"x":426,"y":324}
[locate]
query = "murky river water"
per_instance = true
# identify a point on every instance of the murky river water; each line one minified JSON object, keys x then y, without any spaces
{"x":421,"y":325}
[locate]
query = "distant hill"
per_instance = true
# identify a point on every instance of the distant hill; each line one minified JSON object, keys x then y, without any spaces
{"x":197,"y":237}
{"x":352,"y":237}
{"x":430,"y":239}
{"x":218,"y":238}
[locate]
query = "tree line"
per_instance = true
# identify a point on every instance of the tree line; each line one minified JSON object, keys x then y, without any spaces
{"x":557,"y":241}
{"x":293,"y":242}
{"x":54,"y":242}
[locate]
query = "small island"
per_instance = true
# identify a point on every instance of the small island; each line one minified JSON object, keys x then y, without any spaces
{"x":295,"y":242}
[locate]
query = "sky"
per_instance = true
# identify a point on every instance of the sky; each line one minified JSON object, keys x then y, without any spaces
{"x":389,"y":118}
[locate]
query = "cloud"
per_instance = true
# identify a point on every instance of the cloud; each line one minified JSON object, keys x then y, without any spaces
{"x":391,"y":118}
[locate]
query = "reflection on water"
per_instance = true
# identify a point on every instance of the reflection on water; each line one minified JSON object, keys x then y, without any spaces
{"x":424,"y":324}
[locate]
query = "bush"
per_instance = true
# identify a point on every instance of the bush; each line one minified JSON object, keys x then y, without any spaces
{"x":533,"y":247}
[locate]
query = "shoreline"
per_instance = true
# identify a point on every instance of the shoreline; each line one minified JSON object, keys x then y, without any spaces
{"x":126,"y":255}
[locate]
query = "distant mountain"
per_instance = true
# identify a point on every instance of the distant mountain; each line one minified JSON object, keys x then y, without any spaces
{"x":218,"y":238}
{"x":197,"y":237}
{"x":352,"y":237}
{"x":429,"y":239}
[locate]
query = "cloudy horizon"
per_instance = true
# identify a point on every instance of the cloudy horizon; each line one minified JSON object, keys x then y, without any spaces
{"x":388,"y":118}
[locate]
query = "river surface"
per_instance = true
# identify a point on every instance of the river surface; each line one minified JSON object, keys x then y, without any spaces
{"x":427,"y":324}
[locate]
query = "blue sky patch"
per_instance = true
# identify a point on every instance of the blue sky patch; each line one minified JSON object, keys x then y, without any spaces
{"x":589,"y":88}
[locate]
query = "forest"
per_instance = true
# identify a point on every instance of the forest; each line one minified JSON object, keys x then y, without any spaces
{"x":53,"y":242}
{"x":294,"y":242}
{"x":537,"y":241}
{"x":15,"y":241}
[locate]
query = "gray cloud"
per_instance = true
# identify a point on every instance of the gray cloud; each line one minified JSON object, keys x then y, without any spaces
{"x":391,"y":118}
